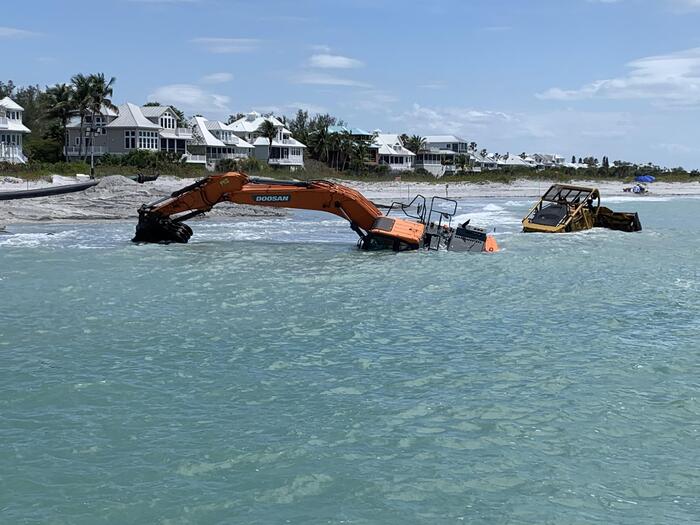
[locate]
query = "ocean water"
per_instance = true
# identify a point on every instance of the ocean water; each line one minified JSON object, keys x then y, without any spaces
{"x":269,"y":372}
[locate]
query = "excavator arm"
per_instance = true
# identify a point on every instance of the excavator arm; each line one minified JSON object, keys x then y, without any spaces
{"x":162,"y":221}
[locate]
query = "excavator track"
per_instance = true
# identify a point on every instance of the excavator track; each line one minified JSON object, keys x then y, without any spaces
{"x":154,"y":228}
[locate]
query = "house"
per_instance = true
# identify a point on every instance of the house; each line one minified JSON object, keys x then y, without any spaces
{"x":285,"y":150}
{"x":442,"y":156}
{"x":12,"y":131}
{"x":131,"y":128}
{"x":514,"y":161}
{"x":357,"y":134}
{"x":480,"y":161}
{"x":213,"y":140}
{"x":392,"y":152}
{"x":546,"y":160}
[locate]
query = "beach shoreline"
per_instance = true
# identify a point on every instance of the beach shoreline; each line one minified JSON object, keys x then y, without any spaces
{"x":118,"y":198}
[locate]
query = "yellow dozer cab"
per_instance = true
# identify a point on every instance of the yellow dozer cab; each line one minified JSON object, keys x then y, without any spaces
{"x":566,"y":208}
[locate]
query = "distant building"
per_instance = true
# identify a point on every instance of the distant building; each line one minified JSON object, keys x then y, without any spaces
{"x":212,"y":141}
{"x":12,"y":131}
{"x":392,"y":152}
{"x":131,"y":128}
{"x":285,"y":150}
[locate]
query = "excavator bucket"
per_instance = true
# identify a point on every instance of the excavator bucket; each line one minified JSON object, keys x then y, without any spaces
{"x":156,"y":228}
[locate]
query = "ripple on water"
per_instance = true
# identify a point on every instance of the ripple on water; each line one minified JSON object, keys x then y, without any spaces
{"x":269,"y":371}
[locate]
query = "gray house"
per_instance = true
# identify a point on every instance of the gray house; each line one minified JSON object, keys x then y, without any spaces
{"x":151,"y":128}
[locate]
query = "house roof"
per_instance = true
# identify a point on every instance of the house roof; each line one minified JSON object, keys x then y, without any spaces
{"x":233,"y":140}
{"x":443,"y":138}
{"x":513,"y":160}
{"x":130,"y":116}
{"x":8,"y":103}
{"x":390,"y":144}
{"x":252,"y":121}
{"x":344,"y":129}
{"x":13,"y":125}
{"x":154,"y":111}
{"x":200,"y":124}
{"x":216,"y":125}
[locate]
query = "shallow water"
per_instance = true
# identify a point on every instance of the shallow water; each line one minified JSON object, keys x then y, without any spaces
{"x":269,"y":372}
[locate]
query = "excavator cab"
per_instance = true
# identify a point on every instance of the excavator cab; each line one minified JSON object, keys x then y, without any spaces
{"x":439,"y":234}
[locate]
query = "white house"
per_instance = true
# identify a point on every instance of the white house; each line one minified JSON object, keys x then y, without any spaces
{"x":393,"y":153}
{"x":12,"y":131}
{"x":285,"y":150}
{"x":213,"y":140}
{"x":514,"y":161}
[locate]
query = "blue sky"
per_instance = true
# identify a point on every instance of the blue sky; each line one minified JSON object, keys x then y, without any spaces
{"x":602,"y":77}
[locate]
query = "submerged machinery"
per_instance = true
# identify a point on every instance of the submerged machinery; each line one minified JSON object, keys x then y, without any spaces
{"x":423,"y":227}
{"x":567,"y":208}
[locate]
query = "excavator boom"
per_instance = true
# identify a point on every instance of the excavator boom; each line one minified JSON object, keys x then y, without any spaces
{"x":162,"y":221}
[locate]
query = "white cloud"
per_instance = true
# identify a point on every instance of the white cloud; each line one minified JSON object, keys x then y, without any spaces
{"x":672,"y":79}
{"x":310,"y":108}
{"x":454,"y":119}
{"x":217,"y":78}
{"x":327,"y":61}
{"x":227,"y":45}
{"x":191,"y":98}
{"x":13,"y":32}
{"x":322,"y":79}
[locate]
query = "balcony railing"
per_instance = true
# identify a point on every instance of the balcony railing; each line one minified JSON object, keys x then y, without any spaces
{"x":74,"y":151}
{"x":12,"y":153}
{"x":290,"y":161}
{"x":232,"y":156}
{"x":195,"y":159}
{"x":185,"y":133}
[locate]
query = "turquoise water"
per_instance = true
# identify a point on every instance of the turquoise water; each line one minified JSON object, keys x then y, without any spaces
{"x":269,"y":372}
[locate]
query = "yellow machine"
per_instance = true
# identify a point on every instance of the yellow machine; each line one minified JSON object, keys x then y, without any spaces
{"x":567,"y":208}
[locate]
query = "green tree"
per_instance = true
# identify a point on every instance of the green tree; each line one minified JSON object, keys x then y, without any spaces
{"x":61,"y":101}
{"x":415,"y":143}
{"x":6,"y":88}
{"x":100,"y":94}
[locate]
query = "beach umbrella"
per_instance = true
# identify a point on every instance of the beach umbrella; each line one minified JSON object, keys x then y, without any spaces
{"x":645,"y":178}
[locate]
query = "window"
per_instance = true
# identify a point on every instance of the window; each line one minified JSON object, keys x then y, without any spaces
{"x":168,"y":122}
{"x":148,"y":140}
{"x":129,"y":139}
{"x":77,"y":141}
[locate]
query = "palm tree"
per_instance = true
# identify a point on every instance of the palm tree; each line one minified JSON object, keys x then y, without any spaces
{"x":62,"y":106}
{"x":268,"y":130}
{"x":100,"y":96}
{"x":473,"y":146}
{"x":81,"y":100}
{"x":415,"y":143}
{"x":321,"y":141}
{"x":347,"y":142}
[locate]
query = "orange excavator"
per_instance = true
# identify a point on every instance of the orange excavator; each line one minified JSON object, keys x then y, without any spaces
{"x":162,"y":221}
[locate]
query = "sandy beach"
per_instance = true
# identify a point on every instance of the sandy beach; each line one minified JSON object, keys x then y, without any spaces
{"x":118,"y":198}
